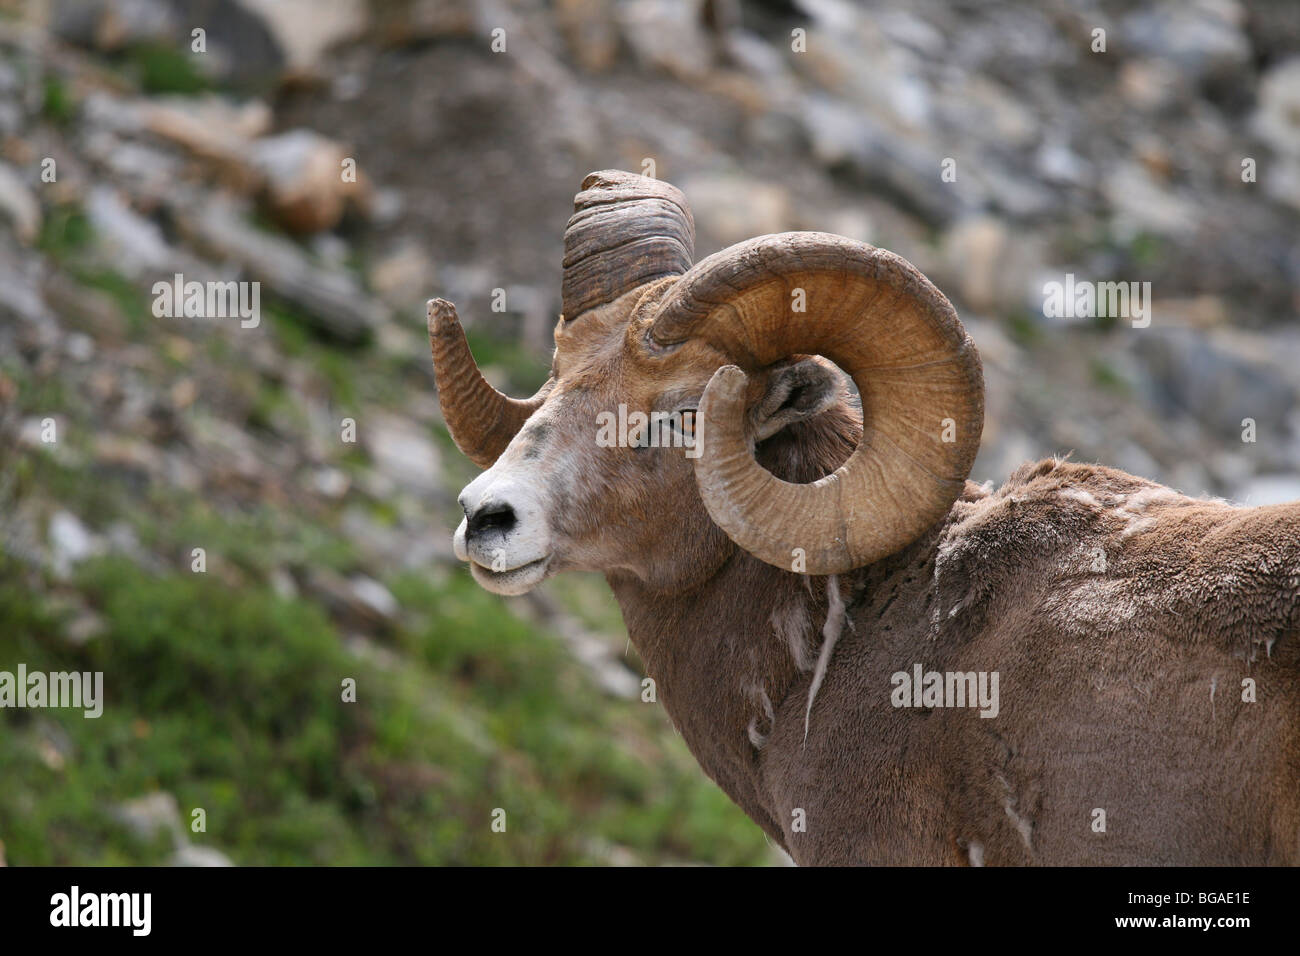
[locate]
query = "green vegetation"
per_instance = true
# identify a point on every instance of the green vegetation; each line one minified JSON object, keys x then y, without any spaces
{"x":64,"y":231}
{"x":162,"y":68}
{"x":228,"y":696}
{"x":67,"y":237}
{"x":57,"y":104}
{"x":296,"y":336}
{"x":520,"y":363}
{"x":230,"y":699}
{"x":225,"y":688}
{"x":1024,"y":329}
{"x":1106,"y":376}
{"x":1147,"y":249}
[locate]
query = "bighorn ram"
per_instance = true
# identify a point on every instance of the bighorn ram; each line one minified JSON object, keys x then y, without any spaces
{"x":818,"y":590}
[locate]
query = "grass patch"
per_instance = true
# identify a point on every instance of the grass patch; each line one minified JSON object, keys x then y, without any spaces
{"x":1106,"y":376}
{"x":230,"y":700}
{"x":296,"y":337}
{"x":161,"y":68}
{"x":129,"y":298}
{"x":65,"y":231}
{"x":57,"y":104}
{"x":1024,"y":329}
{"x":525,"y":370}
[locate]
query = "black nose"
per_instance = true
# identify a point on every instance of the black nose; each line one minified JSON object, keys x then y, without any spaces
{"x":495,"y":516}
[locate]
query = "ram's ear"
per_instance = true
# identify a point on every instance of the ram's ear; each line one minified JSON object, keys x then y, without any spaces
{"x":794,"y":393}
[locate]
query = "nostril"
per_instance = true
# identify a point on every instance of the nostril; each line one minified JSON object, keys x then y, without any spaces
{"x":492,"y":517}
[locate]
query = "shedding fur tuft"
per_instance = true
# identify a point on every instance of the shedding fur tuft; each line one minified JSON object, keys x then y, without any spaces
{"x":831,"y":632}
{"x":792,"y":624}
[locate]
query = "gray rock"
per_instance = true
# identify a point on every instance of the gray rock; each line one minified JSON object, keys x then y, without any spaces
{"x":355,"y":609}
{"x":79,"y":347}
{"x":242,"y":47}
{"x":11,"y":116}
{"x":283,"y":584}
{"x":110,"y":24}
{"x":20,"y":294}
{"x":591,"y":32}
{"x":991,"y":267}
{"x":146,"y":170}
{"x":1282,"y":181}
{"x":404,"y":277}
{"x":188,"y":854}
{"x":909,"y":173}
{"x":1140,"y":203}
{"x":1218,"y":378}
{"x":302,"y":174}
{"x":375,"y":596}
{"x":11,"y":80}
{"x":594,"y":653}
{"x":389,"y":547}
{"x":1191,"y":478}
{"x":738,"y":207}
{"x":1202,"y":38}
{"x":1277,"y":117}
{"x":84,"y":627}
{"x":412,"y":21}
{"x":331,"y":300}
{"x":403,"y":452}
{"x":305,"y":30}
{"x":70,"y":542}
{"x":1151,"y":85}
{"x":153,"y":814}
{"x":1131,"y":457}
{"x":331,"y":482}
{"x":666,"y":35}
{"x":136,"y":244}
{"x":18,"y":204}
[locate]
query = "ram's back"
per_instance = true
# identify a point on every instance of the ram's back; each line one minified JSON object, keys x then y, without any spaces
{"x":1147,"y":647}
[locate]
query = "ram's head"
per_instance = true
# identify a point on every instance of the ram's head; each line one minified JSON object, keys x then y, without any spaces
{"x":674,"y":384}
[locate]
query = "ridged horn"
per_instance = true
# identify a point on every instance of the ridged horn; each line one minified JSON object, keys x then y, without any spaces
{"x":482,"y":420}
{"x":625,"y":231}
{"x":878,"y":318}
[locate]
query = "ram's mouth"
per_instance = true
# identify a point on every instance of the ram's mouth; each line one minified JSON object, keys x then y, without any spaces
{"x":516,"y":580}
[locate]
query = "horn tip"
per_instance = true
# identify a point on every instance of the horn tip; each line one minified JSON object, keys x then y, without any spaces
{"x":607,"y":178}
{"x":441,"y":314}
{"x":728,"y":383}
{"x":729,"y":373}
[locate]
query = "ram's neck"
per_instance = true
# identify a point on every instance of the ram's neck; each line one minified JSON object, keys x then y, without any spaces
{"x":723,"y":657}
{"x":726,"y":652}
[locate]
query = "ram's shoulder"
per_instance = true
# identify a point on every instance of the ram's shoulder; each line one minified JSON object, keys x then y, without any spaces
{"x":1056,"y":475}
{"x":1051,"y":522}
{"x":1097,"y":549}
{"x":1048,"y":505}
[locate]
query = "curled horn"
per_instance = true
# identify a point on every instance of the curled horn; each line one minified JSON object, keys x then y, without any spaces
{"x":896,"y":335}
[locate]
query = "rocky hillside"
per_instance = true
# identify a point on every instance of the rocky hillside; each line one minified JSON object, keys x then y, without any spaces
{"x":353,"y":159}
